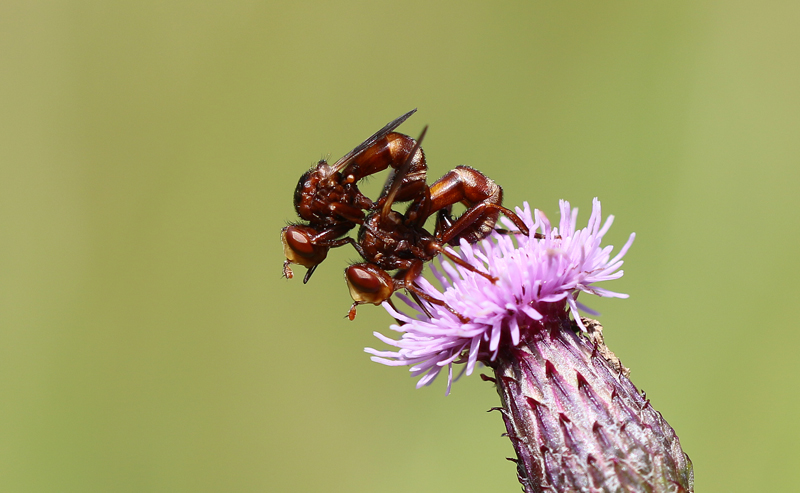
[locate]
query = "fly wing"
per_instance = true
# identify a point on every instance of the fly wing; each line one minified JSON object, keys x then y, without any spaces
{"x":347,"y":158}
{"x":396,"y":178}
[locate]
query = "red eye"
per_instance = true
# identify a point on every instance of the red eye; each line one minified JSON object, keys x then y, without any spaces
{"x":366,"y":281}
{"x":299,"y":247}
{"x":299,"y":241}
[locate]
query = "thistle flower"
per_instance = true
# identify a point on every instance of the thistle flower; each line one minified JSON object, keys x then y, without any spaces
{"x":576,"y":421}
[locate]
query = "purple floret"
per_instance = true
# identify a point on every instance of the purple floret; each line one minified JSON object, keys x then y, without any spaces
{"x":535,"y":276}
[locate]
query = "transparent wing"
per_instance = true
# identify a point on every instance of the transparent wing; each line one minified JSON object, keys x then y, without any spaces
{"x":396,"y":178}
{"x":347,"y":158}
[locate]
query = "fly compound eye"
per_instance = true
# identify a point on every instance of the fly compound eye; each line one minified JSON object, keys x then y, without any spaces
{"x":368,"y":284}
{"x":299,"y":248}
{"x":299,"y":241}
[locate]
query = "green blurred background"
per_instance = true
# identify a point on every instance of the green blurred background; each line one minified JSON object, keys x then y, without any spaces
{"x":148,"y":155}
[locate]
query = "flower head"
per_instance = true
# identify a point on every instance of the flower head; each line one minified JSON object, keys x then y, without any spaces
{"x":538,"y":276}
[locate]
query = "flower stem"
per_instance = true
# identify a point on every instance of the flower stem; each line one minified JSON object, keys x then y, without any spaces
{"x":577,"y":422}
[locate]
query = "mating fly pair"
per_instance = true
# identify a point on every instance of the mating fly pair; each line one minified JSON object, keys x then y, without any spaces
{"x":327,"y":198}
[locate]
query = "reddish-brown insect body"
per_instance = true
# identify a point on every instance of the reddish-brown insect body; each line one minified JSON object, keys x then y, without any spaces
{"x":328,"y":199}
{"x":388,"y":240}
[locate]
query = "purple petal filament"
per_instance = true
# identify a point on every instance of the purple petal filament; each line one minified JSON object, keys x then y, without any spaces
{"x":534,"y":275}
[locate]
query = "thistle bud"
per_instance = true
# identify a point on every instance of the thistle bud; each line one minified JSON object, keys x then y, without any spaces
{"x":576,"y":421}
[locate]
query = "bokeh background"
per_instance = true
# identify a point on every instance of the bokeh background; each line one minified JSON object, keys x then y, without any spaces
{"x":148,"y":155}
